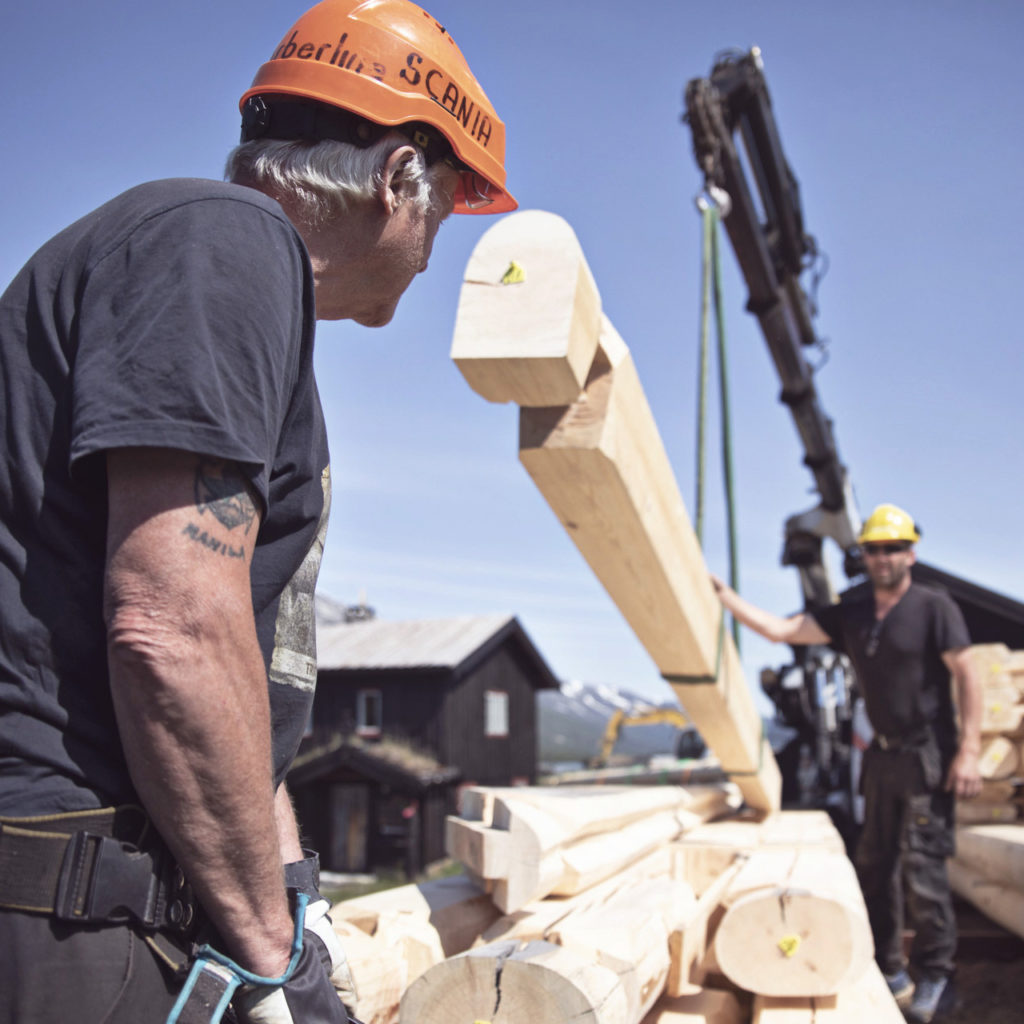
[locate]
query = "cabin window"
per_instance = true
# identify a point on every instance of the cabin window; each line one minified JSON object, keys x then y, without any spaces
{"x":495,"y":713}
{"x":369,"y":712}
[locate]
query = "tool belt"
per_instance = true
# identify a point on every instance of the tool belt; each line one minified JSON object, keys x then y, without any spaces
{"x":94,"y":867}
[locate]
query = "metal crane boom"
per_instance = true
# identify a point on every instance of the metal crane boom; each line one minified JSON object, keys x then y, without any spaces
{"x":765,"y":228}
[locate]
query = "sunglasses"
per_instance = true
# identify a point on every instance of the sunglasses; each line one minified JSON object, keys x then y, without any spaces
{"x":885,"y":549}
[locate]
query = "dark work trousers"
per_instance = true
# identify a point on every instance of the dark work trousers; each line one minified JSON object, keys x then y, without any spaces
{"x":901,"y":857}
{"x":85,"y":974}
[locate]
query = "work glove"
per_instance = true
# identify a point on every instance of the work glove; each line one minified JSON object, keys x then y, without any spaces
{"x":304,"y":877}
{"x":305,"y":997}
{"x":303,"y":994}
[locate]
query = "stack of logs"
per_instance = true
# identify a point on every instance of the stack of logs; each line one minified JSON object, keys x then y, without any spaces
{"x":988,"y":869}
{"x":622,"y":905}
{"x":1002,"y":736}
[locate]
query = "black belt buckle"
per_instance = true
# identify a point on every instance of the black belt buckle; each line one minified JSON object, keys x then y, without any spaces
{"x":887,"y":744}
{"x":104,"y":879}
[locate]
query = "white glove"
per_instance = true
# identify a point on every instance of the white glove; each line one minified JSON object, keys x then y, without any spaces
{"x":320,"y":930}
{"x":307,"y":997}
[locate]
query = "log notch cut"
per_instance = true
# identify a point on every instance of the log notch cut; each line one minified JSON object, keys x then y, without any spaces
{"x":525,"y":844}
{"x":589,"y":441}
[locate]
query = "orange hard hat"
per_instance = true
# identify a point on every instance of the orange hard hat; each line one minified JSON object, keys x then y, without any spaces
{"x":390,"y":62}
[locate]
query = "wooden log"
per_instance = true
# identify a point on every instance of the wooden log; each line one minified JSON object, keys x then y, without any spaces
{"x":705,"y":1006}
{"x":866,"y":1000}
{"x":708,"y":849}
{"x":531,"y":341}
{"x":379,"y":971}
{"x":1002,"y":712}
{"x":1000,"y":758}
{"x":1002,"y":903}
{"x":991,"y":661}
{"x":538,"y":918}
{"x":531,"y":842}
{"x":595,"y":858}
{"x":995,"y":851}
{"x":629,"y":934}
{"x":455,"y":908}
{"x":512,"y":983}
{"x":980,"y":812}
{"x":689,"y":940}
{"x":601,"y":466}
{"x":794,"y":924}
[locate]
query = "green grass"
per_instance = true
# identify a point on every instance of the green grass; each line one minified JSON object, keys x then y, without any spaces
{"x":390,"y":879}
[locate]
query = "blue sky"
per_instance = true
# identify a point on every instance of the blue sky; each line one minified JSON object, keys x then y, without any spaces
{"x":900,"y":121}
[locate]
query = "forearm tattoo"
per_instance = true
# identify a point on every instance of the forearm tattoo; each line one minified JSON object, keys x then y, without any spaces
{"x":223,"y":491}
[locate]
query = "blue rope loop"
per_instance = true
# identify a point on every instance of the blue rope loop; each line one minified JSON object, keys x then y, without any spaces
{"x":232,"y":975}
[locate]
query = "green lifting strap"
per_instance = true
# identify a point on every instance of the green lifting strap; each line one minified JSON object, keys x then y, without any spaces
{"x":711,"y":285}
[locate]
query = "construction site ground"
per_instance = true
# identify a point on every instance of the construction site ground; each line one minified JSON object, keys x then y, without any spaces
{"x":990,"y":972}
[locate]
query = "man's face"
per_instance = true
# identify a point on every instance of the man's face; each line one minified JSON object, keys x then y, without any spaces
{"x":400,"y":252}
{"x":888,"y":563}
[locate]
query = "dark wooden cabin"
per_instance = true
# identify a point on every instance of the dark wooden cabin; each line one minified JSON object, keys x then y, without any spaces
{"x":404,"y":714}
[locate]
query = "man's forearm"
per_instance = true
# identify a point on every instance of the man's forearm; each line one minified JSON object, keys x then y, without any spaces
{"x":198,"y":750}
{"x":969,"y":701}
{"x":189,"y":686}
{"x":798,"y":629}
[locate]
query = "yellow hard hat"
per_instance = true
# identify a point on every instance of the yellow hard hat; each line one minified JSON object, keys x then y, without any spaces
{"x":888,"y":522}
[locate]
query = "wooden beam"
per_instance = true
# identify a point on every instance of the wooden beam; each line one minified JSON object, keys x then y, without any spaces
{"x":629,"y":933}
{"x":379,"y":971}
{"x":705,"y":1006}
{"x":996,"y":851}
{"x":866,"y":1000}
{"x":538,"y":918}
{"x":602,"y":468}
{"x":597,"y":457}
{"x":1003,"y":903}
{"x":530,"y":340}
{"x":455,"y":908}
{"x":529,"y":842}
{"x":690,"y":939}
{"x":709,"y":849}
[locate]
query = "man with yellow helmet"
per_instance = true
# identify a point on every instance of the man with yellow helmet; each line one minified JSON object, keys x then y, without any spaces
{"x":163,"y":505}
{"x":904,"y":640}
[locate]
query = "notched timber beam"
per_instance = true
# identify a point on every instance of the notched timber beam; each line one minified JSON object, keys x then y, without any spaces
{"x":529,"y":313}
{"x":589,"y":441}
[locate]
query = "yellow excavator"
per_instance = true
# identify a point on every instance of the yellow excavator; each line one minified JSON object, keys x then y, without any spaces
{"x":620,"y":719}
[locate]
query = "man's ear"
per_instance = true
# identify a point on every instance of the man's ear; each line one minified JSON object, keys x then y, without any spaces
{"x":395,"y":185}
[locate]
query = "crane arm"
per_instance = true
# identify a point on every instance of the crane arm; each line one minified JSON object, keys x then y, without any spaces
{"x":764,"y":223}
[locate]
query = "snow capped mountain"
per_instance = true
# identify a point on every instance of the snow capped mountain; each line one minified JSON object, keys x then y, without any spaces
{"x":571,"y":724}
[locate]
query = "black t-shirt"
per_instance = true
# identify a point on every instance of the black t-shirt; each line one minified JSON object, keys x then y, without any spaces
{"x":899,"y":666}
{"x":178,"y":315}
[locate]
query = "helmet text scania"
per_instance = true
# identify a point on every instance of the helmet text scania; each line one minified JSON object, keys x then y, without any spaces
{"x":390,"y":62}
